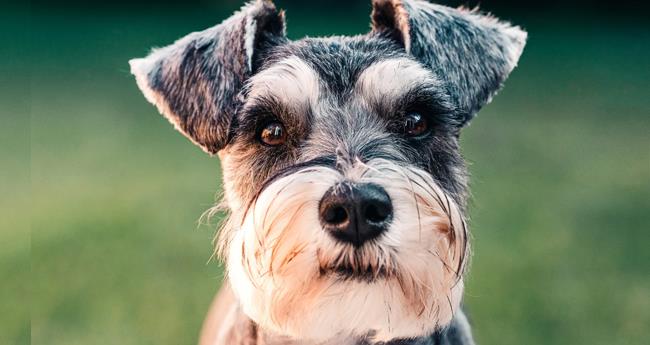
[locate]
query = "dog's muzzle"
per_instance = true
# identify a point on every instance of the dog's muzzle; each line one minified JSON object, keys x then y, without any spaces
{"x":355,"y":212}
{"x":380,"y":238}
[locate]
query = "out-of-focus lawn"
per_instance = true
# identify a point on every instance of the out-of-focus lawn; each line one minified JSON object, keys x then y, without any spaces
{"x":561,"y":184}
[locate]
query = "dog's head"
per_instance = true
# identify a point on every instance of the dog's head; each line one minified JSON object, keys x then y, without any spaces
{"x":340,"y":159}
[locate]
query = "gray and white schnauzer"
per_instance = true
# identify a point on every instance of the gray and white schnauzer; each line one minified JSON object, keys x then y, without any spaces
{"x":342,"y":173}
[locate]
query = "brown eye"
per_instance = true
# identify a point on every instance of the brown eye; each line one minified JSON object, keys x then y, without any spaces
{"x":415,"y":125}
{"x":273,"y":134}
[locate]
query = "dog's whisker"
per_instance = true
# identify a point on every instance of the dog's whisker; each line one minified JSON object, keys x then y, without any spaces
{"x":284,"y":233}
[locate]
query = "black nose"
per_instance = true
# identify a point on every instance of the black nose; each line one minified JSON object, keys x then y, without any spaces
{"x":355,"y":213}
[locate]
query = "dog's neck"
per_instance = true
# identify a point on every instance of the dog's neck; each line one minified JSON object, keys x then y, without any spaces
{"x":227,"y":324}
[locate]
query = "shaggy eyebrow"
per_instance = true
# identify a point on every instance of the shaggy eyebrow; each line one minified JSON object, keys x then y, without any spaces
{"x":289,"y":80}
{"x":393,"y":85}
{"x":264,"y":107}
{"x":426,"y":96}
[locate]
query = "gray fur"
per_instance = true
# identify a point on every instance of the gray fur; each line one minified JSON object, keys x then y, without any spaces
{"x":345,"y":124}
{"x":473,"y":53}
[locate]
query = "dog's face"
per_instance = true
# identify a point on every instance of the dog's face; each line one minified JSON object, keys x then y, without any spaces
{"x":345,"y":187}
{"x":340,"y":159}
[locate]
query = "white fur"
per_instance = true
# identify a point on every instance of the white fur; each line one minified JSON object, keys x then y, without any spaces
{"x":390,"y":79}
{"x":277,"y":257}
{"x":249,"y":40}
{"x":290,"y":80}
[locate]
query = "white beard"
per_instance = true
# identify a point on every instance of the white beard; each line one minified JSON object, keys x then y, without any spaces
{"x":282,"y":264}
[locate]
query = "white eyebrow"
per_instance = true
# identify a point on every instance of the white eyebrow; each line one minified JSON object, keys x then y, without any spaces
{"x":391,"y":79}
{"x":290,"y":80}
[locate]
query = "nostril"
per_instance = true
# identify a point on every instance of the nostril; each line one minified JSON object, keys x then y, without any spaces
{"x":376,"y":213}
{"x":336,"y":215}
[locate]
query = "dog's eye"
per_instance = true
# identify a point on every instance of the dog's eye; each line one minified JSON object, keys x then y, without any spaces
{"x":415,"y":124}
{"x":273,"y":134}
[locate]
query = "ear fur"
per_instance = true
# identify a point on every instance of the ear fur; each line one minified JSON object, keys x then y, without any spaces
{"x":472,"y":52}
{"x":194,"y":82}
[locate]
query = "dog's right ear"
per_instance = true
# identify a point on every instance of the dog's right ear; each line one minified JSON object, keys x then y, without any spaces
{"x":194,"y":82}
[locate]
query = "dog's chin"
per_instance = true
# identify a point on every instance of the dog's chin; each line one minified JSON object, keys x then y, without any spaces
{"x":319,"y":303}
{"x":347,"y":303}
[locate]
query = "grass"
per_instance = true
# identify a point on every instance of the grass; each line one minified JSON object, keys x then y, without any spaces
{"x":561,"y":184}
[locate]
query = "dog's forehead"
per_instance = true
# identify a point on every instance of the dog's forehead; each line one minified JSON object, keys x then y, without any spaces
{"x":339,"y":60}
{"x":301,"y":73}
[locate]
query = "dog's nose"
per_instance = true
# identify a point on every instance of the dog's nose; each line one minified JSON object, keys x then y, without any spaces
{"x":355,"y":213}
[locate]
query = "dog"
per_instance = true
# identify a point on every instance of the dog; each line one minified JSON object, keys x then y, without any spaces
{"x":342,"y":173}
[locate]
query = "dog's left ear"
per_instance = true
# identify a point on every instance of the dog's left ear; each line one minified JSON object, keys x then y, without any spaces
{"x":472,"y":53}
{"x":195,"y":81}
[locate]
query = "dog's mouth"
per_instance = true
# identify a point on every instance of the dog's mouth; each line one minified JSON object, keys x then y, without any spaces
{"x":348,"y":272}
{"x":362,"y":270}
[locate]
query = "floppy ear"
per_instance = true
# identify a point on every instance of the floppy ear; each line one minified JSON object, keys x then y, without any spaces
{"x":472,"y":53}
{"x":194,"y":82}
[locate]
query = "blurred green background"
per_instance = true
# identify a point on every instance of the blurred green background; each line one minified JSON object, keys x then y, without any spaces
{"x":560,"y":163}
